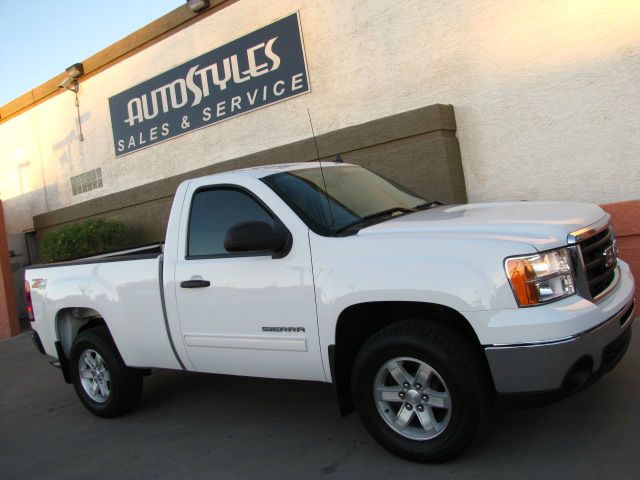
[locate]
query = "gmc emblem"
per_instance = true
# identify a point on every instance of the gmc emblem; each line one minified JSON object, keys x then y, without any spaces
{"x":609,"y":255}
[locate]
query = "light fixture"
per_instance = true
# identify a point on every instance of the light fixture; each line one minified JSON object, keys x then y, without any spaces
{"x":197,"y":6}
{"x":75,"y":71}
{"x":70,"y":83}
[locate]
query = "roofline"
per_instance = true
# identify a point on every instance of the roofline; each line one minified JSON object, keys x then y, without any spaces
{"x":159,"y":29}
{"x":262,"y":171}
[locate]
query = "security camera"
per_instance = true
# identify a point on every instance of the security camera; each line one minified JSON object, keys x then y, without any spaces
{"x":69,"y":84}
{"x":65,"y":82}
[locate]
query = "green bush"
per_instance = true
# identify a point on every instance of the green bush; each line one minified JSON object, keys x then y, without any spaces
{"x":87,"y":238}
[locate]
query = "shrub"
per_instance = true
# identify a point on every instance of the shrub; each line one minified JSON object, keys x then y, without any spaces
{"x":87,"y":238}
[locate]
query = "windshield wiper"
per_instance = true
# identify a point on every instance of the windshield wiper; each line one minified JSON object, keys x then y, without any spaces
{"x":428,"y":205}
{"x":382,"y":214}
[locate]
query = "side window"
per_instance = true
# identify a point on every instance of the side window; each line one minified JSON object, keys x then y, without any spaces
{"x":213,"y":212}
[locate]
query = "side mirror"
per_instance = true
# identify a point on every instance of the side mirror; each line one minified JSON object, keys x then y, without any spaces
{"x":258,"y":236}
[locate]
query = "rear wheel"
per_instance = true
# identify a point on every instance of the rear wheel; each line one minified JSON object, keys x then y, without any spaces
{"x":105,"y":385}
{"x":421,"y":391}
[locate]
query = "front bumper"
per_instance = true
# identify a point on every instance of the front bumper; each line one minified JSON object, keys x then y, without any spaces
{"x":561,"y":365}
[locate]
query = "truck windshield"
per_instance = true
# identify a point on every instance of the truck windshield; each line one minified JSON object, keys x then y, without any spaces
{"x":354,"y":197}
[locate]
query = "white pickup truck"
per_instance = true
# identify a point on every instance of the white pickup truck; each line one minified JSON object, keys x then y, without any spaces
{"x":420,"y":314}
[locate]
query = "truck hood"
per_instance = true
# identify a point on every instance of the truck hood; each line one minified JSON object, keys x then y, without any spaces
{"x":543,"y":225}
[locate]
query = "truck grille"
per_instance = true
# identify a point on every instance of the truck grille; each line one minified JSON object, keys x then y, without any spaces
{"x":600,"y":260}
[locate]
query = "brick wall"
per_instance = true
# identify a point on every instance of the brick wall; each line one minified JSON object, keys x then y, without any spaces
{"x":9,"y":325}
{"x":626,"y":222}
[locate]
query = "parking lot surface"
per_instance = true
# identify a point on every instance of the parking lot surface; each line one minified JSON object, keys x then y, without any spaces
{"x":214,"y":427}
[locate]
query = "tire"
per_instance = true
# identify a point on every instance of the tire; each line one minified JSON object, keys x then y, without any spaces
{"x":105,"y":385}
{"x":421,"y":390}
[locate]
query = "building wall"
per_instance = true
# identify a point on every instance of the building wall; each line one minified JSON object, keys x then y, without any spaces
{"x":546,"y":96}
{"x":417,"y":149}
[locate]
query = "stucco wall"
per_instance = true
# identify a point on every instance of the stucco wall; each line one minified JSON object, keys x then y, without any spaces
{"x":546,"y":96}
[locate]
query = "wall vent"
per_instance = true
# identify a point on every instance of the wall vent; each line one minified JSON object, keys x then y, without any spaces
{"x":85,"y":182}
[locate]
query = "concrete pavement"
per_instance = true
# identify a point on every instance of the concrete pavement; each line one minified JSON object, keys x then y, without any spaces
{"x":192,"y":426}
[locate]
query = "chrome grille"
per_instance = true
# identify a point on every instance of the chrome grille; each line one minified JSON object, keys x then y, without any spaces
{"x":599,"y":258}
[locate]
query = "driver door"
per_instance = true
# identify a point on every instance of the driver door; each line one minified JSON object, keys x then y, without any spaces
{"x":244,"y":313}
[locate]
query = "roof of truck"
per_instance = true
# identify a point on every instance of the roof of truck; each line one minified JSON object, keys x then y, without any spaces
{"x":266,"y":170}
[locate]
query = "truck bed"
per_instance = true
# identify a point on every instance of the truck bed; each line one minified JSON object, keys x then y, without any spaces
{"x":136,"y":253}
{"x":128,"y":298}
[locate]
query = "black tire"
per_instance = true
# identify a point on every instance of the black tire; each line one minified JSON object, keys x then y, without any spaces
{"x":125,"y":384}
{"x":460,"y":374}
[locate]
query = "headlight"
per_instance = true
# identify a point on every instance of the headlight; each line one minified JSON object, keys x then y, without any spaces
{"x":540,"y":278}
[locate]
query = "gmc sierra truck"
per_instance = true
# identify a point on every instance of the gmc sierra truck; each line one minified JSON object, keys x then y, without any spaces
{"x":420,"y":314}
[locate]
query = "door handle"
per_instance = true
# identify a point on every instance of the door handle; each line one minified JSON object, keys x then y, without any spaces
{"x":195,"y":283}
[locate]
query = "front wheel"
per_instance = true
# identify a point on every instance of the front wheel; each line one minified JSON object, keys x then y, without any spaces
{"x":421,"y":391}
{"x":105,"y":385}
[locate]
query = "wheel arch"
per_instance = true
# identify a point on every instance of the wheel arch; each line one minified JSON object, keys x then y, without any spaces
{"x":73,"y":320}
{"x":359,"y":322}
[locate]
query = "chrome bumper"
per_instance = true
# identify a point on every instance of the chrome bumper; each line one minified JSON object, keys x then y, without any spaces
{"x":565,"y":364}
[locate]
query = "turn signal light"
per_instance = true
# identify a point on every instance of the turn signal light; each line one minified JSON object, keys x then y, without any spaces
{"x":540,"y":278}
{"x":522,"y":275}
